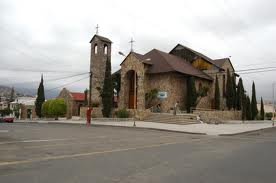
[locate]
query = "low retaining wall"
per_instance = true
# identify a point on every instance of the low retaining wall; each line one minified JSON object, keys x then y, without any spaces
{"x":96,"y":112}
{"x":218,"y":116}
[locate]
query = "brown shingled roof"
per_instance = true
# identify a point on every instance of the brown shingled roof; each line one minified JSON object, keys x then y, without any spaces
{"x":101,"y":38}
{"x":164,"y":62}
{"x":198,"y":54}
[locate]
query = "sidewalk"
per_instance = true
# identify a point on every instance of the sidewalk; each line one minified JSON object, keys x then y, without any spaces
{"x":206,"y":129}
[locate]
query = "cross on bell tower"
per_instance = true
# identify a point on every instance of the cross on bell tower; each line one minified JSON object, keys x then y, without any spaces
{"x":97,"y":29}
{"x":131,"y":44}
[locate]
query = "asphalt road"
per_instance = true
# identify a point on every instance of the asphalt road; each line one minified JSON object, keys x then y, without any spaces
{"x":75,"y":153}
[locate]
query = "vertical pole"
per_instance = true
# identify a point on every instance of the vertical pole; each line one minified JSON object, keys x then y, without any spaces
{"x":273,"y":103}
{"x":90,"y":89}
{"x":135,"y":101}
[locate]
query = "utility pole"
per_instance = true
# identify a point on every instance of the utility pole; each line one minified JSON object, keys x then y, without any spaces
{"x":90,"y":89}
{"x":273,"y":103}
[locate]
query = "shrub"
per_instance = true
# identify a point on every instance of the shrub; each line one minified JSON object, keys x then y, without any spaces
{"x":268,"y":115}
{"x":95,"y":104}
{"x":122,"y":113}
{"x":54,"y":108}
{"x":45,"y":108}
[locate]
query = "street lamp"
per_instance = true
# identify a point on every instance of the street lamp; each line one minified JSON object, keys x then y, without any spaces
{"x":273,"y":103}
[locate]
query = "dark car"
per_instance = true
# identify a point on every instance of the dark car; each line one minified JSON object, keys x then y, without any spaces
{"x":7,"y":119}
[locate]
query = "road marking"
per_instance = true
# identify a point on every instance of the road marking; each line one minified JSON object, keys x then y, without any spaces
{"x":43,"y":140}
{"x":85,"y":154}
{"x":4,"y":131}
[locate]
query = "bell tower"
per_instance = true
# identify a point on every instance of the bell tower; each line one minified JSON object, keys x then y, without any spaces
{"x":100,"y":52}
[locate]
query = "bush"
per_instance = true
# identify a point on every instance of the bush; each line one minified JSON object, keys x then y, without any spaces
{"x":54,"y":108}
{"x":45,"y":108}
{"x":5,"y":112}
{"x":122,"y":113}
{"x":268,"y":115}
{"x":95,"y":104}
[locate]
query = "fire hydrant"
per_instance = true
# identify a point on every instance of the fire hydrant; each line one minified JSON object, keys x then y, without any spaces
{"x":88,"y":116}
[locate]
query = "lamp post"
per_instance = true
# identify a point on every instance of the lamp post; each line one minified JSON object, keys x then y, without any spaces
{"x":273,"y":103}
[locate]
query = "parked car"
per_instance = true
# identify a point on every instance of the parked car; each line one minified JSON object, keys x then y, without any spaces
{"x":7,"y":119}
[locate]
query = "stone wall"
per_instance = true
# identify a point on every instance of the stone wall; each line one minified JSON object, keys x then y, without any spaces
{"x":96,"y":112}
{"x":129,"y":64}
{"x":172,"y":83}
{"x":98,"y":64}
{"x":210,"y":116}
{"x":65,"y":94}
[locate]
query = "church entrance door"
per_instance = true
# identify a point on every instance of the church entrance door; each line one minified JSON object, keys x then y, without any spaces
{"x":132,"y":91}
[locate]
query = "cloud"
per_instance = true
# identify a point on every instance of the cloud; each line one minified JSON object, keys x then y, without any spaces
{"x":53,"y":35}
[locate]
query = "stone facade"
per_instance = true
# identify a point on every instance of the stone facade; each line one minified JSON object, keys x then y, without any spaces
{"x":220,"y":116}
{"x":100,"y":52}
{"x":27,"y":111}
{"x":132,"y":63}
{"x":73,"y":106}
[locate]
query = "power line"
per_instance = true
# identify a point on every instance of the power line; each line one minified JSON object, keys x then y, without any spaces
{"x":67,"y":84}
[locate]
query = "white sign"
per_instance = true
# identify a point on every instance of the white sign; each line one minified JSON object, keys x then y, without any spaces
{"x":162,"y":95}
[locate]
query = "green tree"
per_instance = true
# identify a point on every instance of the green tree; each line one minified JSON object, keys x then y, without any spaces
{"x":234,"y":85}
{"x":45,"y":108}
{"x":229,"y":91}
{"x":116,"y":81}
{"x":85,"y":97}
{"x":11,"y":99}
{"x":254,"y":109}
{"x":244,"y":106}
{"x":239,"y":96}
{"x":57,"y":108}
{"x":248,"y":109}
{"x":217,"y":95}
{"x":40,"y":98}
{"x":107,"y":92}
{"x":262,"y":109}
{"x":191,"y":94}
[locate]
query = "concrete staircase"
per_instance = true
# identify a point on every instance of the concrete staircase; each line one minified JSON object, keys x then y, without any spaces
{"x":181,"y":119}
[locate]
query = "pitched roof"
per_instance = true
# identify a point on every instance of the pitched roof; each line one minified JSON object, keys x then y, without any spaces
{"x":164,"y":62}
{"x":78,"y":96}
{"x":198,"y":54}
{"x":101,"y":38}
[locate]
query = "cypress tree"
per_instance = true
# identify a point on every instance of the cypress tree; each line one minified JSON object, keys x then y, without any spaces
{"x":85,"y":97}
{"x":254,"y":109}
{"x":262,"y":109}
{"x":107,"y":92}
{"x":229,"y":91}
{"x":11,"y":99}
{"x":248,"y":109}
{"x":234,"y":91}
{"x":244,"y":106}
{"x":40,"y":98}
{"x":217,"y":95}
{"x":191,"y":94}
{"x":239,"y":96}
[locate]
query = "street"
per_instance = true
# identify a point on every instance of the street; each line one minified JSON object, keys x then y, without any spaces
{"x":33,"y":152}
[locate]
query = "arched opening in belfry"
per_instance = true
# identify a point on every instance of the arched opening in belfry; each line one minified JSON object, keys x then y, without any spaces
{"x":132,"y":80}
{"x":105,"y":49}
{"x":95,"y":48}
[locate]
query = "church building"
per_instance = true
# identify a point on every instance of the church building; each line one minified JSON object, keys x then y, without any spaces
{"x":166,"y":73}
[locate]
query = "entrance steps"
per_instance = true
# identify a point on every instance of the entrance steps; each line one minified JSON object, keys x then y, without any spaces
{"x":181,"y":119}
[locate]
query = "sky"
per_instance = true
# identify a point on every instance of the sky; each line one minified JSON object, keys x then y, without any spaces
{"x":52,"y":37}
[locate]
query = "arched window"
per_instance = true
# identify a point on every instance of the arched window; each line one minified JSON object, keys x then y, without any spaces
{"x":105,"y":49}
{"x":95,"y":48}
{"x":200,"y":86}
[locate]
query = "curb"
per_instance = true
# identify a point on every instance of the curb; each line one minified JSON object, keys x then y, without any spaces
{"x":157,"y":129}
{"x":240,"y":133}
